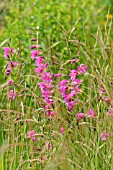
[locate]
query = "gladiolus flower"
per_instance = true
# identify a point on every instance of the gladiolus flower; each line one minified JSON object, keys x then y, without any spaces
{"x":107,"y":99}
{"x":104,"y":135}
{"x":12,"y":94}
{"x":91,"y":113}
{"x":32,"y":135}
{"x":14,"y":64}
{"x":80,"y":116}
{"x":57,"y":75}
{"x":34,"y":54}
{"x":7,"y":51}
{"x":82,"y":68}
{"x":10,"y":82}
{"x":33,"y":46}
{"x":62,"y":131}
{"x":74,"y":60}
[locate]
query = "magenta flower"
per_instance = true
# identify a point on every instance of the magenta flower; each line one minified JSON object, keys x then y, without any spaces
{"x":63,"y":82}
{"x":73,"y":74}
{"x":57,"y":75}
{"x":12,"y":95}
{"x":48,"y":100}
{"x":33,"y":39}
{"x":71,"y":104}
{"x":104,"y":135}
{"x":34,"y":54}
{"x":76,"y":82}
{"x":74,"y":60}
{"x":39,"y":60}
{"x":8,"y":70}
{"x":14,"y":64}
{"x":79,"y":53}
{"x":80,"y":116}
{"x":49,"y":146}
{"x":62,"y":131}
{"x":82,"y":68}
{"x":91,"y":113}
{"x":41,"y":68}
{"x":27,"y":120}
{"x":56,"y":63}
{"x":17,"y":118}
{"x":47,"y":77}
{"x":102,"y":90}
{"x":78,"y":90}
{"x":33,"y":46}
{"x":23,"y":90}
{"x":50,"y":113}
{"x":10,"y":66}
{"x":107,"y":99}
{"x":111,"y":112}
{"x":10,"y":82}
{"x":32,"y":135}
{"x":8,"y":51}
{"x":73,"y":93}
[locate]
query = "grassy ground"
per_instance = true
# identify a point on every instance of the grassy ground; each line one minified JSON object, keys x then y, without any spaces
{"x":31,"y":138}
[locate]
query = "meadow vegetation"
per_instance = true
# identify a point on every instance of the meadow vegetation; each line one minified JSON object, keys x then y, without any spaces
{"x":56,"y":85}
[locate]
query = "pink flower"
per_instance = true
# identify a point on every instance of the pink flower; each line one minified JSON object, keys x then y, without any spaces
{"x":50,"y":113}
{"x":104,"y":135}
{"x":76,"y":82}
{"x":74,"y":60}
{"x":32,"y":135}
{"x":57,"y":75}
{"x":62,"y":131}
{"x":111,"y":111}
{"x":33,"y":39}
{"x":27,"y":120}
{"x":17,"y":118}
{"x":7,"y":51}
{"x":10,"y":82}
{"x":34,"y":54}
{"x":14,"y":64}
{"x":102,"y":90}
{"x":73,"y":93}
{"x":63,"y":82}
{"x":56,"y":63}
{"x":48,"y":100}
{"x":34,"y":139}
{"x":38,"y":149}
{"x":91,"y":113}
{"x":23,"y":90}
{"x":78,"y":90}
{"x":41,"y":68}
{"x":39,"y":60}
{"x":80,"y":116}
{"x":12,"y":94}
{"x":8,"y":70}
{"x":47,"y":77}
{"x":10,"y":66}
{"x":79,"y":53}
{"x":107,"y":99}
{"x":71,"y":104}
{"x":82,"y":68}
{"x":73,"y":74}
{"x":33,"y":46}
{"x":49,"y":146}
